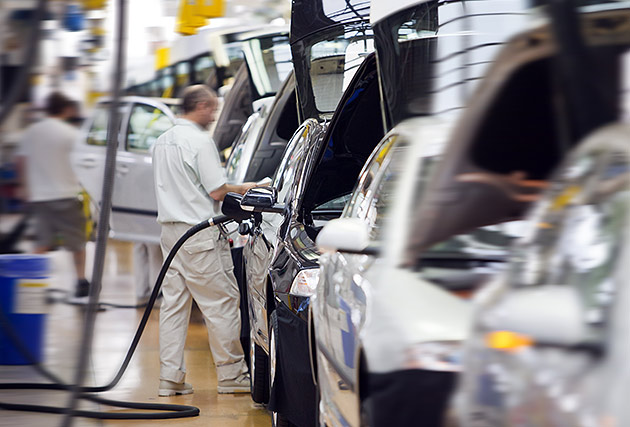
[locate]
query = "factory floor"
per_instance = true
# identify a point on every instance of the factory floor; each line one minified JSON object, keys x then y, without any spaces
{"x":113,"y":333}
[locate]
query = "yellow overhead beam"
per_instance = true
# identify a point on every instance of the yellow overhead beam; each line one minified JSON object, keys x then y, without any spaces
{"x":211,"y":8}
{"x":195,"y":13}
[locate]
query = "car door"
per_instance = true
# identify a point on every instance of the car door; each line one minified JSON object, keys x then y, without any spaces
{"x":263,"y":240}
{"x":134,"y":205}
{"x":88,"y":156}
{"x":341,"y":300}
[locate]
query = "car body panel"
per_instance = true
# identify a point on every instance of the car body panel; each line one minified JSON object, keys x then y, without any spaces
{"x":263,"y":243}
{"x":134,"y":212}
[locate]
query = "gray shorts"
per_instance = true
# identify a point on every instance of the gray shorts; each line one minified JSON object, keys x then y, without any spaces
{"x":60,"y":223}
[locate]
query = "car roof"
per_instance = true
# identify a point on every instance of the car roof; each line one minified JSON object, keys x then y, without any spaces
{"x":149,"y":99}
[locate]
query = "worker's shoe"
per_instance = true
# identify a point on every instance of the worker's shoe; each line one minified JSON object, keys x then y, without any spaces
{"x":240,"y":384}
{"x":171,"y":388}
{"x":82,"y":289}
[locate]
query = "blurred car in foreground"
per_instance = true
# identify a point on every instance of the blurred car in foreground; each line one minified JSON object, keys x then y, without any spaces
{"x":549,"y":343}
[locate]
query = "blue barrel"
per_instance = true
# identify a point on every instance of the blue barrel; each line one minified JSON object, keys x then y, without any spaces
{"x":23,"y":283}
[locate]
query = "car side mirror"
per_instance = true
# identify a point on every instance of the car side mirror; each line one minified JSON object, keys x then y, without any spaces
{"x":550,"y":315}
{"x":261,"y":199}
{"x":231,"y":207}
{"x":350,"y":235}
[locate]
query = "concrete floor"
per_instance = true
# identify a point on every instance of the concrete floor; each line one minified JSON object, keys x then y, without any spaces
{"x":113,"y":333}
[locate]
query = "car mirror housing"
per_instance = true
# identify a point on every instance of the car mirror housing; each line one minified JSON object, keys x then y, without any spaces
{"x":549,"y":315}
{"x":350,"y":235}
{"x":261,"y":199}
{"x":231,"y":207}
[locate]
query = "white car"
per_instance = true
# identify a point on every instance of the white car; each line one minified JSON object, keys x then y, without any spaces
{"x":134,"y":206}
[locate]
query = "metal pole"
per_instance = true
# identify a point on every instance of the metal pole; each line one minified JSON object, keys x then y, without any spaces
{"x":103,"y":224}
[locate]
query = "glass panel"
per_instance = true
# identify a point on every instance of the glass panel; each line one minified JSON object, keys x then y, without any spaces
{"x":145,"y":125}
{"x":182,"y":74}
{"x":358,"y":204}
{"x":234,"y":53}
{"x":97,"y":135}
{"x":290,"y":164}
{"x":270,"y":63}
{"x":373,"y":195}
{"x":203,"y":66}
{"x":333,"y":64}
{"x":333,"y":205}
{"x":166,"y":82}
{"x":384,"y":185}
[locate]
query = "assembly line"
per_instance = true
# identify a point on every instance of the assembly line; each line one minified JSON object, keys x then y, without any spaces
{"x":386,"y":213}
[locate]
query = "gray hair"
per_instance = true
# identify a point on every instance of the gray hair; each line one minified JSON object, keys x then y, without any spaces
{"x":192,"y":95}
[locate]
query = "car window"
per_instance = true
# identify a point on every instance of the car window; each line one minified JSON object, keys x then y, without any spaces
{"x":333,"y":64}
{"x":167,"y":82}
{"x":182,"y":74}
{"x":336,"y":204}
{"x":233,"y":164}
{"x":145,"y":125}
{"x":97,"y":135}
{"x":269,"y":59}
{"x":290,"y":164}
{"x":372,"y":196}
{"x":203,"y":67}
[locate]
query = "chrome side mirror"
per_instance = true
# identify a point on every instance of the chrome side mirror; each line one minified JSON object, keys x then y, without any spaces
{"x":261,"y":199}
{"x":350,"y":235}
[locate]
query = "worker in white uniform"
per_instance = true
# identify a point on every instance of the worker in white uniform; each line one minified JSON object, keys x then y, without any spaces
{"x":190,"y":182}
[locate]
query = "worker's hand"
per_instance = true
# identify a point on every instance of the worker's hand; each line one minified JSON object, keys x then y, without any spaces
{"x":246,"y":186}
{"x":513,"y":184}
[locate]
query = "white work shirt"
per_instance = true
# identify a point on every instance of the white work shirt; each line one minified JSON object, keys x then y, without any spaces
{"x":47,"y":146}
{"x":186,"y":168}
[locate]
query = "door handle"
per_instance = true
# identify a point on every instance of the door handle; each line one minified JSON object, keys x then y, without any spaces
{"x":87,"y":162}
{"x":122,"y":169}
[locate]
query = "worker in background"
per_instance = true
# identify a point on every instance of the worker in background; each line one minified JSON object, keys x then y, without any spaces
{"x":190,"y":182}
{"x":50,"y":185}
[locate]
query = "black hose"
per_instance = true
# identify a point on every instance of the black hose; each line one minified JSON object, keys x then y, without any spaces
{"x":176,"y":411}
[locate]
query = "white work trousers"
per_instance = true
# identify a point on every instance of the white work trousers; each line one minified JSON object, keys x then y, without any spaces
{"x":147,"y":261}
{"x":203,"y":270}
